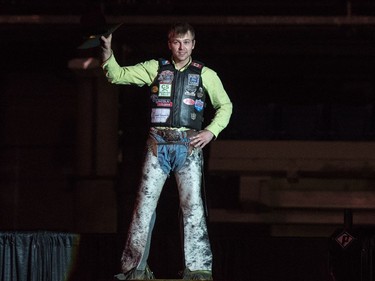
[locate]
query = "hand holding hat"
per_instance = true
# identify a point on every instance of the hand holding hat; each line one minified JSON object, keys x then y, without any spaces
{"x":106,"y":46}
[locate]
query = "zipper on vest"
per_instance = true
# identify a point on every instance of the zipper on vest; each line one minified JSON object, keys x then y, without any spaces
{"x":176,"y":107}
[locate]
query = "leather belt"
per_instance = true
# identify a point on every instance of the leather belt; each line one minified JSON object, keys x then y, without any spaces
{"x":174,"y":135}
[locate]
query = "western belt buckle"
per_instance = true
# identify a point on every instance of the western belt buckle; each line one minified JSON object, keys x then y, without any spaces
{"x":171,"y":135}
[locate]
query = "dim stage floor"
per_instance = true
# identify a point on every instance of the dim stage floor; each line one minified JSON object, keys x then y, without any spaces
{"x":242,"y":254}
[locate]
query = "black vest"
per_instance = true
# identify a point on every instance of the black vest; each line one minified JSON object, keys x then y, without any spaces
{"x":177,"y":97}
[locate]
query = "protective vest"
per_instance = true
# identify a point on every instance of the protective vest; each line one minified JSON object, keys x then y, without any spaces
{"x":177,"y":97}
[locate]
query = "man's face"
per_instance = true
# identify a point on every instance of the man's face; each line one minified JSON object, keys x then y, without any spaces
{"x":181,"y":46}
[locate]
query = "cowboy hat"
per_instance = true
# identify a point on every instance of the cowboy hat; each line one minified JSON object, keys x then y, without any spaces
{"x":94,"y":26}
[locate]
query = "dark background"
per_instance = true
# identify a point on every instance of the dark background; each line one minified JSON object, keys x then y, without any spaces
{"x":295,"y":70}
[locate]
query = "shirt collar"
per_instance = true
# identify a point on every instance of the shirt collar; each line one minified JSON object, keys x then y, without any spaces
{"x":185,"y":66}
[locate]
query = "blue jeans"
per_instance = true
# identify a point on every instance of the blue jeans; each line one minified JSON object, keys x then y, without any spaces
{"x":171,"y":156}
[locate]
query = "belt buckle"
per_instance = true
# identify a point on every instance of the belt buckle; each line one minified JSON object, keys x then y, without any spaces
{"x":171,"y":135}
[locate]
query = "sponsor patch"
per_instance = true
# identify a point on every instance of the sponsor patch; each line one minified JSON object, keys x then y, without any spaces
{"x":188,"y":101}
{"x":154,"y":98}
{"x":164,"y":103}
{"x":160,"y":115}
{"x":200,"y":92}
{"x":166,"y":76}
{"x":190,"y":91}
{"x":193,"y":79}
{"x":154,"y":89}
{"x":199,"y":105}
{"x":165,"y":62}
{"x":197,"y":65}
{"x":165,"y":90}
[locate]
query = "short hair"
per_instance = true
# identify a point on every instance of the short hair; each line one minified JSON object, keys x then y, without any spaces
{"x":181,"y":28}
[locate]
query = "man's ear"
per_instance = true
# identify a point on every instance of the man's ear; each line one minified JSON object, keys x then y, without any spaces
{"x":193,"y":44}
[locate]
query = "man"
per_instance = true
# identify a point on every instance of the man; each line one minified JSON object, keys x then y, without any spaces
{"x":178,"y":89}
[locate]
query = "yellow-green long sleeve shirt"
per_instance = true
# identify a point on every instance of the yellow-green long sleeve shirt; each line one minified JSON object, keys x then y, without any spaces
{"x":144,"y":74}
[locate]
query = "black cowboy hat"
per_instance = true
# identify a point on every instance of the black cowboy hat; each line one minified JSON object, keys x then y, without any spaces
{"x":94,"y":26}
{"x":92,"y":39}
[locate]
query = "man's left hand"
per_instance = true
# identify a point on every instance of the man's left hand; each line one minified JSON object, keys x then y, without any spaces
{"x":201,"y":139}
